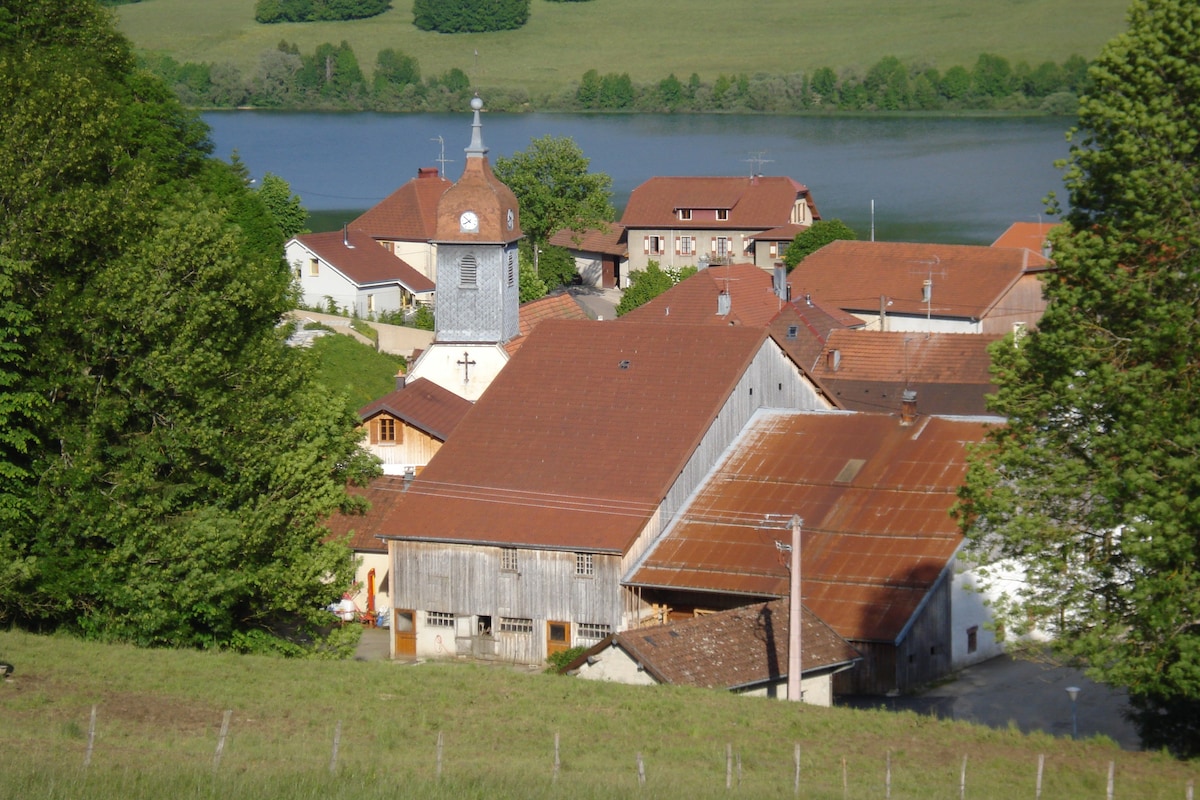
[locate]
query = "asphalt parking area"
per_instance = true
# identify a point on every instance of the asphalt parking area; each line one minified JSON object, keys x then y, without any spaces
{"x":1026,"y":691}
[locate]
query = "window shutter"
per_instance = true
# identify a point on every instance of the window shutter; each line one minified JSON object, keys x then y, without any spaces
{"x":676,"y":245}
{"x":373,"y":429}
{"x":646,"y":245}
{"x":713,"y":244}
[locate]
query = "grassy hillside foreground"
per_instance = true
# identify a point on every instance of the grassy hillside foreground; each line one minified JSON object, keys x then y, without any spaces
{"x":650,"y":40}
{"x":159,"y":716}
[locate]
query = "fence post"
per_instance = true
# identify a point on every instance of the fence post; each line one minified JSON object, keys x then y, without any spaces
{"x":887,"y":780}
{"x":556,"y":761}
{"x":728,"y":765}
{"x":1112,"y":765}
{"x":962,"y":780}
{"x":641,"y":766}
{"x":87,"y":757}
{"x":796,"y":780}
{"x":337,"y":740}
{"x":221,"y":739}
{"x":1041,"y":766}
{"x":439,"y":754}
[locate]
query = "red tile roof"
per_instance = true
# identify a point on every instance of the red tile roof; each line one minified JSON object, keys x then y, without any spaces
{"x":753,"y":203}
{"x":1027,"y":235}
{"x":570,"y":447}
{"x":694,"y":301}
{"x":874,"y":498}
{"x":364,"y":261}
{"x":407,"y":214}
{"x":968,"y":280}
{"x":734,"y":649}
{"x":535,"y":312}
{"x":593,"y":240}
{"x":950,"y":372}
{"x":802,"y":329}
{"x":363,"y":529}
{"x":422,"y":404}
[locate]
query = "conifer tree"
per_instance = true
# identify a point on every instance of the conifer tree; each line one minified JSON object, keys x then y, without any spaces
{"x":1093,"y":486}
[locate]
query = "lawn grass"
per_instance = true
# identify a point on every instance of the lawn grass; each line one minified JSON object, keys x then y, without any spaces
{"x":159,"y":715}
{"x":353,"y":369}
{"x":650,"y":40}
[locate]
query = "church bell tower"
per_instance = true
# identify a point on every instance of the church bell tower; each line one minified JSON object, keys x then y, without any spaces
{"x":478,"y":274}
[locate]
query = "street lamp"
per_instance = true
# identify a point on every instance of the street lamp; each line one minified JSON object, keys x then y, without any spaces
{"x":1073,"y":691}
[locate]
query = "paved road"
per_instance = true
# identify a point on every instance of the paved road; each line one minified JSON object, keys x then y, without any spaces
{"x":1032,"y":694}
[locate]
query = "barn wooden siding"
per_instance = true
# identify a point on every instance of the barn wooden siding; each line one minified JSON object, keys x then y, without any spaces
{"x":923,"y":654}
{"x":467,"y":581}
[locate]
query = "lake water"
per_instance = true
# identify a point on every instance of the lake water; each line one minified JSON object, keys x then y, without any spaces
{"x":955,"y":180}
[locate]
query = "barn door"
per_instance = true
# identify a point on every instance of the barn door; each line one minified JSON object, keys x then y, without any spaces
{"x":558,"y":637}
{"x":404,"y":628}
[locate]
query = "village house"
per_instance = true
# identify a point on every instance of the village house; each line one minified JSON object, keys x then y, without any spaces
{"x":348,"y":272}
{"x":899,"y":286}
{"x":743,"y":650}
{"x":405,"y":222}
{"x":696,"y":221}
{"x":601,"y":255}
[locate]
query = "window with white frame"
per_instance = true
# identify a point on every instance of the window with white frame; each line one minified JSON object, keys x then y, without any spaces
{"x":723,"y":214}
{"x":654,"y":245}
{"x":584,"y":565}
{"x":685,"y":214}
{"x":508,"y":559}
{"x":720,"y":246}
{"x":592,"y":631}
{"x":516,"y":625}
{"x":439,"y":619}
{"x":686,"y":245}
{"x":314,"y":267}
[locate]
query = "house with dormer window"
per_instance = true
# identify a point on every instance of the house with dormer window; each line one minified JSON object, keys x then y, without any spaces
{"x":697,"y":221}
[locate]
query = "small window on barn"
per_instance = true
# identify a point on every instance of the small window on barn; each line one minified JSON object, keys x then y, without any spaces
{"x":793,"y":330}
{"x":972,"y":638}
{"x":592,"y":631}
{"x":439,"y":619}
{"x":516,"y":625}
{"x":584,"y":566}
{"x":508,"y":559}
{"x":314,"y":267}
{"x":483,"y":625}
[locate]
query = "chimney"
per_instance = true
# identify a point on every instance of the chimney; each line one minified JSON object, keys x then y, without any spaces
{"x":724,"y":304}
{"x":908,"y":407}
{"x":779,"y":283}
{"x":410,"y":473}
{"x":401,"y":378}
{"x":427,"y":172}
{"x":833,"y":359}
{"x":346,"y":236}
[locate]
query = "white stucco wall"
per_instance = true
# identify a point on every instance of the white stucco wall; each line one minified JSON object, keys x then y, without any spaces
{"x":440,"y":364}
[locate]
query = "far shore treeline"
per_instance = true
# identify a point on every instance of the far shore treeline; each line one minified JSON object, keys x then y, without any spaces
{"x":331,"y":78}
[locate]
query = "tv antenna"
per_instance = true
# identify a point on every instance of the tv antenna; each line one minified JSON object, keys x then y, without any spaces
{"x":927,"y":284}
{"x":441,"y":159}
{"x":757,"y":159}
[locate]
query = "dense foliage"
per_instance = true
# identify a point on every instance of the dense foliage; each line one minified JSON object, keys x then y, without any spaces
{"x":555,"y":189}
{"x":647,"y":284}
{"x":889,"y":85}
{"x":269,"y":11}
{"x":168,"y":461}
{"x":1093,"y":488}
{"x":819,"y":234}
{"x":470,"y":16}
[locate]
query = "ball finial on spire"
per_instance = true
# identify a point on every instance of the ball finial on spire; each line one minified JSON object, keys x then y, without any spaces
{"x":476,"y":103}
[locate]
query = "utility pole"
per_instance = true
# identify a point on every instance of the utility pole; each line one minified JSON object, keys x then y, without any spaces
{"x":794,"y":621}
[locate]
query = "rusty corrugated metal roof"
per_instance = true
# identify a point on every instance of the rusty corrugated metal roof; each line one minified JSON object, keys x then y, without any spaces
{"x":874,"y":498}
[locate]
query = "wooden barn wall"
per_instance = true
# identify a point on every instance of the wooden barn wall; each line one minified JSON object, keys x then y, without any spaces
{"x":1024,"y":302}
{"x":926,"y":653}
{"x":468,"y":581}
{"x":415,"y":448}
{"x":875,"y":674}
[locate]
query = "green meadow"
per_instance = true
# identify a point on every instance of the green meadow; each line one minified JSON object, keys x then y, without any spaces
{"x":159,"y":716}
{"x":650,"y":40}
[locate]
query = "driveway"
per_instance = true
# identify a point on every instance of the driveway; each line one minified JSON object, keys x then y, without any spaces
{"x":1029,"y":693}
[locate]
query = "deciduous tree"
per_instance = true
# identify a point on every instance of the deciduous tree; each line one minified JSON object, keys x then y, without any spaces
{"x":819,"y":234}
{"x":555,"y":189}
{"x":1093,"y":486}
{"x":168,"y":460}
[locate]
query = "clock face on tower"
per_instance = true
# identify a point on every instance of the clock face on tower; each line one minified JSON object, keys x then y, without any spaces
{"x":469,"y":222}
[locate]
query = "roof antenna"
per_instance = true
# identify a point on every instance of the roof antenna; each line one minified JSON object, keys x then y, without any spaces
{"x":441,"y":159}
{"x":756,"y":158}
